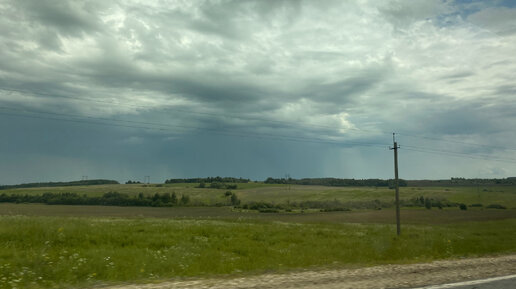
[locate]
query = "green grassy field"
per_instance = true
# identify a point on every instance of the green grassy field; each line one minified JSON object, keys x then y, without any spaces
{"x":386,"y":216}
{"x":59,"y":246}
{"x":279,"y":194}
{"x":63,"y":251}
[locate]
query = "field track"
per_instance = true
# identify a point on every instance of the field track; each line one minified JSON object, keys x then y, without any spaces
{"x":385,"y":276}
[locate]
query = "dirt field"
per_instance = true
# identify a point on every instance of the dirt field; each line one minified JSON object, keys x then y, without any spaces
{"x":386,"y":276}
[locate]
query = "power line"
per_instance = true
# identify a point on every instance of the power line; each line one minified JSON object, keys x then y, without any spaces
{"x":293,"y":124}
{"x":106,"y":122}
{"x":221,"y":116}
{"x":109,"y":122}
{"x":212,"y":131}
{"x":452,"y":152}
{"x":452,"y":141}
{"x":78,"y":118}
{"x":217,"y":115}
{"x":460,"y":155}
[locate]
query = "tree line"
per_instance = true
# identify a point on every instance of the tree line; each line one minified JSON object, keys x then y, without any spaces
{"x":107,"y":199}
{"x":335,"y":182}
{"x":61,"y":184}
{"x":208,"y":180}
{"x":462,"y":182}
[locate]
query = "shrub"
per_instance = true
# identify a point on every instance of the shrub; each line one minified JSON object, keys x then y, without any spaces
{"x":496,"y":206}
{"x":463,"y":207}
{"x":268,"y":210}
{"x":428,"y":203}
{"x":234,"y":200}
{"x":337,"y":210}
{"x":184,"y":199}
{"x":217,"y":185}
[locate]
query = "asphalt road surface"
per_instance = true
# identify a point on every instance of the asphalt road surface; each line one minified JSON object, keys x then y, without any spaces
{"x":503,"y":282}
{"x":424,"y":275}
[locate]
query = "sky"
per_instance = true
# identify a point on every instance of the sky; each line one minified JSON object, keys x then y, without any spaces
{"x":255,"y":89}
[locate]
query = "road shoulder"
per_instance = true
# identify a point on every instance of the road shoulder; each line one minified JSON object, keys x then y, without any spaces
{"x":384,"y":276}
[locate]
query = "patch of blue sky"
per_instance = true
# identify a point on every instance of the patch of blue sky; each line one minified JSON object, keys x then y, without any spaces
{"x":479,"y":4}
{"x":464,"y":8}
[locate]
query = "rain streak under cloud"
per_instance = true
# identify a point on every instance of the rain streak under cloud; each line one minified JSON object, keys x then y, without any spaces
{"x":126,"y":89}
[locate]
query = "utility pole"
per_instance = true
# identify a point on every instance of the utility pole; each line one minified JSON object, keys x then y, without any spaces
{"x":396,"y":183}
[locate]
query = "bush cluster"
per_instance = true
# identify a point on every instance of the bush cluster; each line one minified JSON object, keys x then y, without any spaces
{"x":323,"y":206}
{"x":429,"y":203}
{"x":208,"y":180}
{"x":107,"y":199}
{"x":496,"y":206}
{"x":337,"y":182}
{"x":217,"y":185}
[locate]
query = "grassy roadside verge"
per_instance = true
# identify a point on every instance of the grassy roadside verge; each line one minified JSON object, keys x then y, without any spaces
{"x":62,"y":252}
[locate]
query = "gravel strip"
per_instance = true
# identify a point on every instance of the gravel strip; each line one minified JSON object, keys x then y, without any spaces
{"x":385,"y":276}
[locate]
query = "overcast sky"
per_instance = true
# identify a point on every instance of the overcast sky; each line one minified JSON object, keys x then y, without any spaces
{"x":170,"y":89}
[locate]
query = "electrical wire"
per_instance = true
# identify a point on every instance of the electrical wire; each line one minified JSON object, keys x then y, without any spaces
{"x":225,"y":131}
{"x":105,"y":122}
{"x":291,"y":124}
{"x":460,"y":155}
{"x":452,"y":152}
{"x":217,"y":115}
{"x":90,"y":120}
{"x":452,"y":141}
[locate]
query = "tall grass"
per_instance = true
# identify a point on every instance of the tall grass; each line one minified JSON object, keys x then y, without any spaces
{"x":62,"y":252}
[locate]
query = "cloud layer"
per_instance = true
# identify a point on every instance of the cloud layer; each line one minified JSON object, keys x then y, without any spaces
{"x":269,"y":85}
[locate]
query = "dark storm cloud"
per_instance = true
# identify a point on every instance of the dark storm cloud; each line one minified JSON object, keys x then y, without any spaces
{"x":67,"y":18}
{"x":344,"y":91}
{"x":462,"y":120}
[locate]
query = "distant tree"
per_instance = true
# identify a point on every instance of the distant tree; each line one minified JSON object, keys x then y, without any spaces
{"x":166,"y":198}
{"x":217,"y":185}
{"x":173,"y":198}
{"x":428,"y":203}
{"x":234,"y":200}
{"x":184,"y":200}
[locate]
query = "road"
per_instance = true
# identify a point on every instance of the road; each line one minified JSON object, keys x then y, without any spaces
{"x":502,"y":282}
{"x":423,"y":275}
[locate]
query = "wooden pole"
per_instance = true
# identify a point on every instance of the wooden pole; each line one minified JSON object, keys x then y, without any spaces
{"x":396,"y":184}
